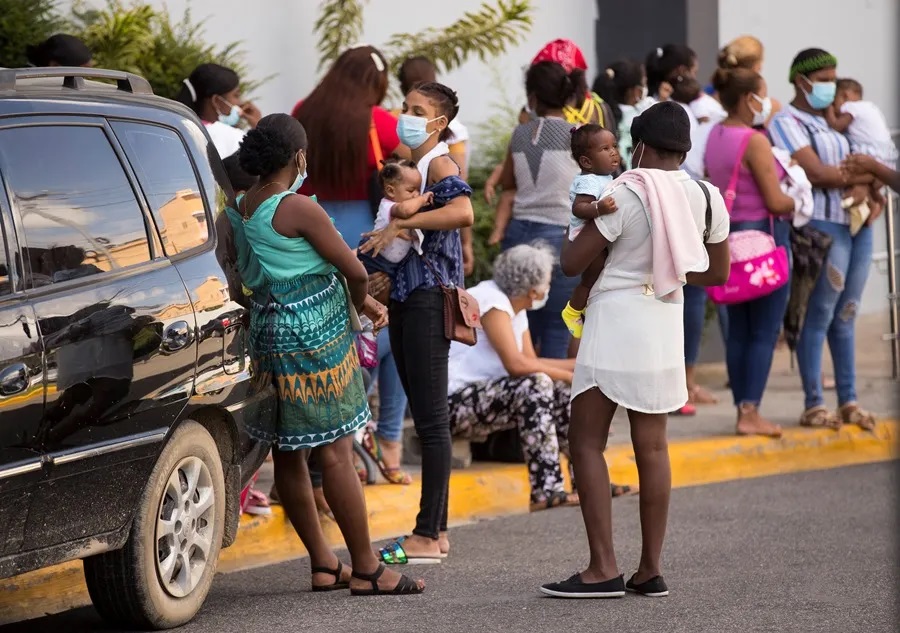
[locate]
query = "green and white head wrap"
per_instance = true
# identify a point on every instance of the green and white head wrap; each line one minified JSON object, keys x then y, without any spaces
{"x":811,"y":60}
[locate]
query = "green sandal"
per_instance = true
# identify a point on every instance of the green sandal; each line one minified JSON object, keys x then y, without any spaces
{"x":394,"y":554}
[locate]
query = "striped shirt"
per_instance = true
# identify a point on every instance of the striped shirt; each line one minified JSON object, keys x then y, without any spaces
{"x":442,"y":249}
{"x":792,"y":130}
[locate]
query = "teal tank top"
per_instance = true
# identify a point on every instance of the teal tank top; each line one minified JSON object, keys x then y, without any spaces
{"x":266,"y":256}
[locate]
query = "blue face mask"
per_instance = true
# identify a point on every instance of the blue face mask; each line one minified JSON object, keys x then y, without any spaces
{"x":413,"y":130}
{"x":821,"y":95}
{"x":234,"y":115}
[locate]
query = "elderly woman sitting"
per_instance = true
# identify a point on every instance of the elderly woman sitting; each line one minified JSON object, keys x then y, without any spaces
{"x":500,"y":383}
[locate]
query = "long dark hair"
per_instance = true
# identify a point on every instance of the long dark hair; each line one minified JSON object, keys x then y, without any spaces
{"x":337,"y":115}
{"x":615,"y":80}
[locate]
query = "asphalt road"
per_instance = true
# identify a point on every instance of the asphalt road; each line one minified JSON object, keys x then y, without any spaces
{"x":806,"y":552}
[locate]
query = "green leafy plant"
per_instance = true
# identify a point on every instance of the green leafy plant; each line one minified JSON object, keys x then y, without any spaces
{"x":339,"y":26}
{"x":484,"y":33}
{"x":493,"y":136}
{"x":494,"y":133}
{"x":23,"y":23}
{"x":138,"y":38}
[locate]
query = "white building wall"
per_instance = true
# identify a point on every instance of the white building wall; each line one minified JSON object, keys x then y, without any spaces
{"x":862,"y":34}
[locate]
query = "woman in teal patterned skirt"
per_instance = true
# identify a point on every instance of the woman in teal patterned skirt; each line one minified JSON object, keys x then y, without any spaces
{"x":303,"y":282}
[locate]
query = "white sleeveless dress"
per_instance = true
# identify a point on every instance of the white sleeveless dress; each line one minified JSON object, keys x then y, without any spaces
{"x":632,"y":348}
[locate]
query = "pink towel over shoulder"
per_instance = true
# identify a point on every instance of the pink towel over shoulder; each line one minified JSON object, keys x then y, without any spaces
{"x":677,"y":247}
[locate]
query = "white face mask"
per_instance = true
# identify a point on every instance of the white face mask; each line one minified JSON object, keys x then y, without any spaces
{"x":760,"y":118}
{"x":637,"y":164}
{"x":301,"y":176}
{"x":537,"y":304}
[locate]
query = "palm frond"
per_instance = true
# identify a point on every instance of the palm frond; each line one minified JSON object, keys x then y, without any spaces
{"x":339,"y":26}
{"x":484,"y":33}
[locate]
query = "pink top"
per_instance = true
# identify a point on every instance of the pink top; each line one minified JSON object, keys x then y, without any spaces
{"x":722,"y":150}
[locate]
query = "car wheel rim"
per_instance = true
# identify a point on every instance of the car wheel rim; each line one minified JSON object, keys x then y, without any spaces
{"x":185,"y":526}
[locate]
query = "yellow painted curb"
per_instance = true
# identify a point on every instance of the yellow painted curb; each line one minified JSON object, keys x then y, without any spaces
{"x":491,"y":490}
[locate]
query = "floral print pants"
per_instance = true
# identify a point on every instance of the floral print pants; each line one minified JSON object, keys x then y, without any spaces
{"x":536,"y":405}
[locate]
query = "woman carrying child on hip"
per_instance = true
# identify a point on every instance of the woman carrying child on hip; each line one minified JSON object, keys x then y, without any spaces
{"x":417,"y":305}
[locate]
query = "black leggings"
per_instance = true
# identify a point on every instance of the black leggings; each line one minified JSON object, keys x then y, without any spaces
{"x":421,"y":351}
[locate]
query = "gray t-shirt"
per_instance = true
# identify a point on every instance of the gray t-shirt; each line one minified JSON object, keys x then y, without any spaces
{"x":542,"y":157}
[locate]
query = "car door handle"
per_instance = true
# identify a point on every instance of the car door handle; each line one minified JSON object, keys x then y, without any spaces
{"x":177,"y":336}
{"x":13,"y":380}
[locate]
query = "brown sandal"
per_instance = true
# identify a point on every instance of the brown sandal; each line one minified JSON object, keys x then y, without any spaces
{"x":556,"y":500}
{"x":393,"y":475}
{"x":851,"y":413}
{"x":820,"y":417}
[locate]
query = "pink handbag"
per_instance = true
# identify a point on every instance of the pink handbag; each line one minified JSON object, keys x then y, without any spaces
{"x":759,"y":267}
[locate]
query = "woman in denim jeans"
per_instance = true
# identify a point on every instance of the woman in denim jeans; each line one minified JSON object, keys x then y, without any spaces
{"x":759,"y":204}
{"x":420,"y":346}
{"x":801,"y":129}
{"x":535,"y":205}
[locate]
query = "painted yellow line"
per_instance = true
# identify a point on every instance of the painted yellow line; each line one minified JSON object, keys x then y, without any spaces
{"x":491,"y":490}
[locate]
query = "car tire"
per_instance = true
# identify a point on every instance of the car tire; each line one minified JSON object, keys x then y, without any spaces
{"x":162,"y":575}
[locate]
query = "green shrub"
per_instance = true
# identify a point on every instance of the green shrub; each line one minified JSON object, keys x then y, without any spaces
{"x":23,"y":23}
{"x":491,"y":143}
{"x":138,"y":38}
{"x":481,"y":231}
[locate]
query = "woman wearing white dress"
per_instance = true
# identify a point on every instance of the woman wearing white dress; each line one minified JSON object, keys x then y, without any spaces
{"x":668,"y":230}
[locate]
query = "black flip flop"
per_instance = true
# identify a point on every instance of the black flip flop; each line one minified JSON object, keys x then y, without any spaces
{"x":336,"y":586}
{"x":405,"y":587}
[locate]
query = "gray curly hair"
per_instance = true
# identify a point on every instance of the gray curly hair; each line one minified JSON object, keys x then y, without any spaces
{"x":523,"y":267}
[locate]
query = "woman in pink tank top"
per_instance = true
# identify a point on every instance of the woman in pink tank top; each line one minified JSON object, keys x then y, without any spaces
{"x":758,"y":204}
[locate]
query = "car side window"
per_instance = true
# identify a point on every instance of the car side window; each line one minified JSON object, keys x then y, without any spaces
{"x":78,"y":210}
{"x":167,"y":177}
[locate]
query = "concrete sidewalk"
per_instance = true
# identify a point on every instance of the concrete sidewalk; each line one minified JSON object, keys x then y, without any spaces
{"x":703,"y":450}
{"x":783,"y":401}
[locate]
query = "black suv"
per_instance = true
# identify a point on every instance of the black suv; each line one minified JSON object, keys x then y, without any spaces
{"x":126,"y":397}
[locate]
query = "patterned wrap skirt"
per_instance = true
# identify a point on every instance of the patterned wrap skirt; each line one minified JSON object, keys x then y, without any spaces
{"x":301,"y":340}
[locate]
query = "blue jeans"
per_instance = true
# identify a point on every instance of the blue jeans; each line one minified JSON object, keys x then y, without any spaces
{"x":832,"y":311}
{"x":391,"y":397}
{"x":694,"y":321}
{"x":352,"y":219}
{"x":548,"y":331}
{"x":753,"y":328}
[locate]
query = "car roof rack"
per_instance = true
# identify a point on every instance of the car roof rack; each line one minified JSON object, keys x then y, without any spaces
{"x":73,"y":77}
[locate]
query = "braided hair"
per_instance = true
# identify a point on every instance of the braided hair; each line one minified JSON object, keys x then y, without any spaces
{"x":444,"y":99}
{"x":392,"y":169}
{"x":271,"y":145}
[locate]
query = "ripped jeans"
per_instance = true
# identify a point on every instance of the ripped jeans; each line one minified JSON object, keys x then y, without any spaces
{"x":832,"y":311}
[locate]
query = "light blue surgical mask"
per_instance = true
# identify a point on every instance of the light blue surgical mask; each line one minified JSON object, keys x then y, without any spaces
{"x":413,"y":130}
{"x":301,"y":176}
{"x":234,"y":115}
{"x":821,"y":94}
